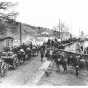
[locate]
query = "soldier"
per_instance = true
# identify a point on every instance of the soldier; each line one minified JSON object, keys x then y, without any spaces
{"x":42,"y":54}
{"x":64,"y":63}
{"x":48,"y":43}
{"x":82,"y":48}
{"x":77,"y":70}
{"x":37,"y":50}
{"x":22,"y":55}
{"x":52,"y":43}
{"x":70,"y":60}
{"x":57,"y":59}
{"x":31,"y":45}
{"x":28,"y":53}
{"x":48,"y":54}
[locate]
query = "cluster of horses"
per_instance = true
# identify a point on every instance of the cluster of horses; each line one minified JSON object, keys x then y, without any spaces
{"x":54,"y":51}
{"x":67,"y":59}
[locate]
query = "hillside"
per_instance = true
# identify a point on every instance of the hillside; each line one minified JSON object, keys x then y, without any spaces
{"x":28,"y":31}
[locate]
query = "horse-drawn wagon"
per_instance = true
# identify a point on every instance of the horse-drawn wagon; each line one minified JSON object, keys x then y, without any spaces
{"x":10,"y":58}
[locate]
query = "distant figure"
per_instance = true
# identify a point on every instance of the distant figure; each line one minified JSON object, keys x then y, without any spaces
{"x":42,"y":54}
{"x":37,"y":50}
{"x":31,"y":45}
{"x":48,"y":54}
{"x":82,"y":48}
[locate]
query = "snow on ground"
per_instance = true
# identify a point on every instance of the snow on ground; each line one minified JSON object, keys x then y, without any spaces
{"x":23,"y":74}
{"x":68,"y":78}
{"x":64,"y":79}
{"x":29,"y":71}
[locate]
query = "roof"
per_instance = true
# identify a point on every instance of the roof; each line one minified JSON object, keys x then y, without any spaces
{"x":2,"y":39}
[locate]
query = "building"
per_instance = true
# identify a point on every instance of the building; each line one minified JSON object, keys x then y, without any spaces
{"x":6,"y":42}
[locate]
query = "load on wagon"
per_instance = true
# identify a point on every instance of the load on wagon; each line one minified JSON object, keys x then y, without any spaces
{"x":9,"y":58}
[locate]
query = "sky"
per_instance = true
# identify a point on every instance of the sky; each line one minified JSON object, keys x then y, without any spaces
{"x":46,"y":13}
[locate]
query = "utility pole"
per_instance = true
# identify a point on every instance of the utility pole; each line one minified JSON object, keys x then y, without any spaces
{"x":61,"y":31}
{"x":59,"y":28}
{"x":20,"y":35}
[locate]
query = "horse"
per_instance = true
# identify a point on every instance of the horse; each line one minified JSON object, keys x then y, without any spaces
{"x":60,"y":60}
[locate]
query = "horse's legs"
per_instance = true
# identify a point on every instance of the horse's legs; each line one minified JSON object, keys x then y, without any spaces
{"x":58,"y":67}
{"x":41,"y":58}
{"x":64,"y":67}
{"x":77,"y":73}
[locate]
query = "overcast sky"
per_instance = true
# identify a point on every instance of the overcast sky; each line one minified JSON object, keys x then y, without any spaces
{"x":46,"y":13}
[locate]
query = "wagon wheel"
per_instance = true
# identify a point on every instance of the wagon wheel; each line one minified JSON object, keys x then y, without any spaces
{"x":2,"y":73}
{"x":4,"y":69}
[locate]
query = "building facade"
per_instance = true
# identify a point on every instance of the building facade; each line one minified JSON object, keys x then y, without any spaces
{"x":6,"y":42}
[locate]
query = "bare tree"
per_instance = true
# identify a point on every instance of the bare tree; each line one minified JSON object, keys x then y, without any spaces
{"x":6,"y":17}
{"x":6,"y":5}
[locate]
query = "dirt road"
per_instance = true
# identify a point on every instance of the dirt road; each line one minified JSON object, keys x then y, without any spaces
{"x":27,"y":73}
{"x":23,"y":74}
{"x":61,"y":79}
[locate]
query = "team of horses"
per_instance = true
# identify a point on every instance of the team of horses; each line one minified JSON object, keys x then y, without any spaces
{"x":63,"y":58}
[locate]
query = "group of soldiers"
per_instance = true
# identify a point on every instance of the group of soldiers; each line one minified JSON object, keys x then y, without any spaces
{"x":54,"y":51}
